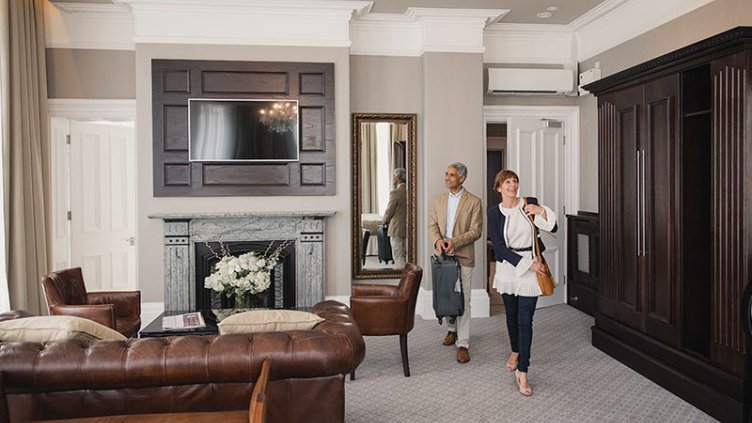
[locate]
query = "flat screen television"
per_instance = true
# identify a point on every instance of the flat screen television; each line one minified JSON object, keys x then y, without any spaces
{"x":224,"y":130}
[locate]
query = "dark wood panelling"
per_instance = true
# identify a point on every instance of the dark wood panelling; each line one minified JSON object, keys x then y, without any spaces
{"x":312,"y":83}
{"x":312,"y":130}
{"x":729,"y":260}
{"x":608,"y":204}
{"x":177,"y":81}
{"x":313,"y":174}
{"x":216,"y":174}
{"x":244,"y":82}
{"x":661,"y":287}
{"x":583,"y":280}
{"x":175,"y":128}
{"x":177,"y":174}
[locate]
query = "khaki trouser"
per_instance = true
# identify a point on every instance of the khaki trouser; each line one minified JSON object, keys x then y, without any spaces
{"x":462,"y":323}
{"x":398,"y":251}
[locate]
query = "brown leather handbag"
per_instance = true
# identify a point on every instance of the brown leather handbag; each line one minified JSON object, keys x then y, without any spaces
{"x":545,"y":280}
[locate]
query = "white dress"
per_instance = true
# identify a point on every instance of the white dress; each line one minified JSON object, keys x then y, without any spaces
{"x":518,"y":233}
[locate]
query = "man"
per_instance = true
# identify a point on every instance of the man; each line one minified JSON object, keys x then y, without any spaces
{"x":456,"y":223}
{"x":396,"y":217}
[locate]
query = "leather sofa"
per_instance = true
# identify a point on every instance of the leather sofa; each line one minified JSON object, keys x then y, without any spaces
{"x":73,"y":379}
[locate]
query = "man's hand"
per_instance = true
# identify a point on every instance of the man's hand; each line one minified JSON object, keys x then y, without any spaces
{"x":449,"y":246}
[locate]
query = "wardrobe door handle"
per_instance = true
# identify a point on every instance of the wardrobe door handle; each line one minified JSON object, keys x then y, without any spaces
{"x":637,"y":185}
{"x":644,"y":215}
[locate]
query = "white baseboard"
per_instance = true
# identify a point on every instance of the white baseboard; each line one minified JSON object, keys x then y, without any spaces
{"x":149,"y":312}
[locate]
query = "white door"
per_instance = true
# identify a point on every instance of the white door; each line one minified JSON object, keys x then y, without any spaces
{"x":102,"y":204}
{"x":536,"y":154}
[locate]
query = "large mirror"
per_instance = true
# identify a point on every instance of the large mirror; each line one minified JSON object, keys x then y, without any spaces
{"x":383,"y":221}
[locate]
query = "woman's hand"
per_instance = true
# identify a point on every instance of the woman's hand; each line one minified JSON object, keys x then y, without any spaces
{"x":532,"y":209}
{"x":538,"y":268}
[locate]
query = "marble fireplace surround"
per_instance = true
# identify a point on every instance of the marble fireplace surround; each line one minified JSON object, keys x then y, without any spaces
{"x":183,"y":230}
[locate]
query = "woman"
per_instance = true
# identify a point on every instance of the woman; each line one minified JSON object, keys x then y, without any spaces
{"x":511,"y":231}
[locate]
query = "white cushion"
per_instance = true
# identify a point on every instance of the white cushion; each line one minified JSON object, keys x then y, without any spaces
{"x":55,"y":328}
{"x":268,"y":321}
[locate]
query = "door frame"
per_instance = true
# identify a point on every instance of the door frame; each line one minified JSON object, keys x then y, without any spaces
{"x":570,"y":115}
{"x":60,"y":113}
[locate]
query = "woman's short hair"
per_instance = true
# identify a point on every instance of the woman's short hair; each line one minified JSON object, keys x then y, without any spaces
{"x":502,"y":176}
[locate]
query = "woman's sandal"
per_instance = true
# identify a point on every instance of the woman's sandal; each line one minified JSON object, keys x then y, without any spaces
{"x":524,"y":391}
{"x":511,"y":367}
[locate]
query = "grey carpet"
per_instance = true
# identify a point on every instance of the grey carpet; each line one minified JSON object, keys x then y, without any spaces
{"x":572,"y":380}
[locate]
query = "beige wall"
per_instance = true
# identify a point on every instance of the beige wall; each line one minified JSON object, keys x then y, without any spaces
{"x":150,"y":245}
{"x":453,"y":131}
{"x":711,"y":19}
{"x":383,"y":84}
{"x":91,"y":74}
{"x":697,"y":25}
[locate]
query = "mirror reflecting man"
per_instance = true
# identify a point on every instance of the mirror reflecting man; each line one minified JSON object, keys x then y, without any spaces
{"x":395,"y":217}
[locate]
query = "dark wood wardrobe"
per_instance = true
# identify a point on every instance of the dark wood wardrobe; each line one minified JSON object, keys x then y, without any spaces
{"x":675,"y":205}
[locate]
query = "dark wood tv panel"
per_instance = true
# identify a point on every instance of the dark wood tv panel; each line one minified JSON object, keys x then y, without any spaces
{"x":176,"y":81}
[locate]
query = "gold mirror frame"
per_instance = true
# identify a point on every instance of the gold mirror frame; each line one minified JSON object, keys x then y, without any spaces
{"x":357,"y":240}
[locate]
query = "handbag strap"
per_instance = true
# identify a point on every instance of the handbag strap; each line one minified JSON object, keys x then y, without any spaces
{"x":535,"y":234}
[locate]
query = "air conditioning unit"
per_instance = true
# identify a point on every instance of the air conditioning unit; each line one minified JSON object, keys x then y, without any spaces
{"x":530,"y":81}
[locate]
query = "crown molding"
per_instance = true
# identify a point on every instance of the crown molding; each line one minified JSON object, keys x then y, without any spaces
{"x":618,"y":21}
{"x":88,"y":26}
{"x":421,"y":30}
{"x":319,"y":23}
{"x":528,"y":43}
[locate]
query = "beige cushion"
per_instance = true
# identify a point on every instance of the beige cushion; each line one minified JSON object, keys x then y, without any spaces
{"x":55,"y":328}
{"x":268,"y":321}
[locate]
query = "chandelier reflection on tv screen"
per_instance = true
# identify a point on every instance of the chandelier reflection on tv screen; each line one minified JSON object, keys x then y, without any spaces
{"x":281,"y":117}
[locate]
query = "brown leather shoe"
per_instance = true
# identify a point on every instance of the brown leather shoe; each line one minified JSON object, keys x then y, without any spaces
{"x":463,"y":355}
{"x":449,"y":339}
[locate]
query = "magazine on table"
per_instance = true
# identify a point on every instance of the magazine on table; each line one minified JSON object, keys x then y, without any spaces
{"x":183,"y":321}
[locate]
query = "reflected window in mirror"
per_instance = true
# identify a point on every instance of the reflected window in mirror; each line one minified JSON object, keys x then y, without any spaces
{"x":383,"y":194}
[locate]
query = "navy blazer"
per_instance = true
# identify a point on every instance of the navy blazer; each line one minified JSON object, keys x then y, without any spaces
{"x":495,"y":230}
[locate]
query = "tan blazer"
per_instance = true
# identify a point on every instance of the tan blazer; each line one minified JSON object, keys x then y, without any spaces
{"x":396,"y":212}
{"x":468,"y":225}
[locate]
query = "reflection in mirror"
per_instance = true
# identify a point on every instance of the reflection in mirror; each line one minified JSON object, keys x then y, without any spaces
{"x":383,"y":194}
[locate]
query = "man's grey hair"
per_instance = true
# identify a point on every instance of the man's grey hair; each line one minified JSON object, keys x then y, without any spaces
{"x":461,"y":168}
{"x":401,"y":173}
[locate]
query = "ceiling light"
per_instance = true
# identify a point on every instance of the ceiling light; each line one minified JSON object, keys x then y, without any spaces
{"x":544,"y":15}
{"x":552,"y":8}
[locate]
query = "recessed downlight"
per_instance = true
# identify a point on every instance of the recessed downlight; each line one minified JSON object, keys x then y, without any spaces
{"x":544,"y":15}
{"x":552,"y":8}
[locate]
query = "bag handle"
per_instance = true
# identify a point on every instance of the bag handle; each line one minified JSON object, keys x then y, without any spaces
{"x":535,"y":235}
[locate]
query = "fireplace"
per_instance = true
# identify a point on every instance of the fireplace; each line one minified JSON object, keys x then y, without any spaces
{"x":281,"y":293}
{"x":184,"y":232}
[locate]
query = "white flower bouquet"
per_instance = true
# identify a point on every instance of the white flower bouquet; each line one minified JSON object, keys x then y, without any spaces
{"x":246,"y":273}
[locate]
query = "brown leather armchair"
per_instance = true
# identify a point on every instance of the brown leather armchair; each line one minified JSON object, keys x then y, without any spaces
{"x":388,"y":309}
{"x":66,"y":295}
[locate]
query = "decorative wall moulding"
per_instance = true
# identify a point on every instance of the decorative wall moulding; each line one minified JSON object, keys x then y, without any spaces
{"x":89,"y":26}
{"x":419,"y":30}
{"x":624,"y":21}
{"x":75,"y":108}
{"x":239,"y":22}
